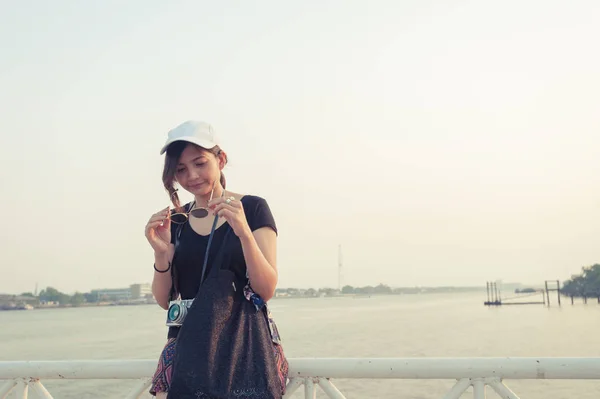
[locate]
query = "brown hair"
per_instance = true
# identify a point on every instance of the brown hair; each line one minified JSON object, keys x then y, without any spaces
{"x":174,"y":152}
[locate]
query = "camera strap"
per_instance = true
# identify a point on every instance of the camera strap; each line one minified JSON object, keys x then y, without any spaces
{"x":210,"y":237}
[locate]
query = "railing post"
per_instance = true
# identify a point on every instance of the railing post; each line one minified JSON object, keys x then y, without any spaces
{"x":6,"y":388}
{"x":458,"y":389}
{"x":330,"y":389}
{"x":139,"y":389}
{"x":502,"y":390}
{"x":21,"y":389}
{"x":478,"y":389}
{"x":40,"y":390}
{"x":292,"y":386}
{"x":309,"y":389}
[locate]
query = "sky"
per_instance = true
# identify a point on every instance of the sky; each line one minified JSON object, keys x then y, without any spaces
{"x":438,"y":142}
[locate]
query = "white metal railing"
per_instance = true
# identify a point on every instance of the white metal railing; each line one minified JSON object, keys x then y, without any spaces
{"x":25,"y":376}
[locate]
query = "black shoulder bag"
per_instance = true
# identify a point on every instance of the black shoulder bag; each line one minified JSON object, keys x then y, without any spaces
{"x":225,"y":348}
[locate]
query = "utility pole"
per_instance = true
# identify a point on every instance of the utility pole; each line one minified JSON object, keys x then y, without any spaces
{"x":340,"y":268}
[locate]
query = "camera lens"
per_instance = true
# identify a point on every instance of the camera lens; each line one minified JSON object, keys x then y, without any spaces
{"x":176,"y":312}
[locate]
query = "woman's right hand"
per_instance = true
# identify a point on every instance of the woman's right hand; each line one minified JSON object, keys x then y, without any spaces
{"x":158,"y":232}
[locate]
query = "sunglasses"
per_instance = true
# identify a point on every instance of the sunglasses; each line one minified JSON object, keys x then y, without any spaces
{"x":199,"y":212}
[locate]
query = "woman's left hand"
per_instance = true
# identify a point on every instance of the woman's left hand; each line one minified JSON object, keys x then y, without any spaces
{"x":232,"y":211}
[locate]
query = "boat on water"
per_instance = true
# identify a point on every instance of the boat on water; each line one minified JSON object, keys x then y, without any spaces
{"x":13,"y":306}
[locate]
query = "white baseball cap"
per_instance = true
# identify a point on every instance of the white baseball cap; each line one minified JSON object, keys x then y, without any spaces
{"x":196,"y":132}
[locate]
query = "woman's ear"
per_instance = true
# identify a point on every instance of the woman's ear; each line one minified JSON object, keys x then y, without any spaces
{"x":222,"y":159}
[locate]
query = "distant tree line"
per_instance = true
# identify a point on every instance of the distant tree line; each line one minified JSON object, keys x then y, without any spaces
{"x":51,"y":294}
{"x":311,"y":292}
{"x":380,"y":289}
{"x":586,"y":283}
{"x":368,"y":290}
{"x":385,"y":289}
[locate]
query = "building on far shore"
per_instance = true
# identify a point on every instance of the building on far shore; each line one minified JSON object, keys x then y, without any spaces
{"x":111,"y":294}
{"x":133,"y":292}
{"x":139,"y":291}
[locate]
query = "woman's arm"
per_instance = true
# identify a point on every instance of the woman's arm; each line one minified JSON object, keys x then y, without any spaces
{"x":260,"y":253}
{"x":161,"y":283}
{"x":259,"y":245}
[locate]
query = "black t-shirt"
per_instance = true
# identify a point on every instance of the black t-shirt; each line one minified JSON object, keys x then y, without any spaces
{"x":191,"y":249}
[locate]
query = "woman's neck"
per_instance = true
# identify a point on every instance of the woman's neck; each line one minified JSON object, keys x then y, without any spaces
{"x":203,"y":199}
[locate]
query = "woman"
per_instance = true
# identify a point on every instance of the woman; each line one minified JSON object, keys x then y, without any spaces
{"x":194,"y":162}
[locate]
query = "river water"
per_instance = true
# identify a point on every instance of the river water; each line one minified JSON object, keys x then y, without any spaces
{"x":430,"y":325}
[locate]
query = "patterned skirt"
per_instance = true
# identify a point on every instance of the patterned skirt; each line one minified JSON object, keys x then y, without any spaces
{"x":162,"y":376}
{"x":161,"y":381}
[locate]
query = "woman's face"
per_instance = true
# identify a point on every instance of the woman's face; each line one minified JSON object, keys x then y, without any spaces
{"x":198,"y":170}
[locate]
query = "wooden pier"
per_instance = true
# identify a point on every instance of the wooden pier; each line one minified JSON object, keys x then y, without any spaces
{"x":494,"y":297}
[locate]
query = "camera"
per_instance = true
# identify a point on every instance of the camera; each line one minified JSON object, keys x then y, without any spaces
{"x":177,"y":312}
